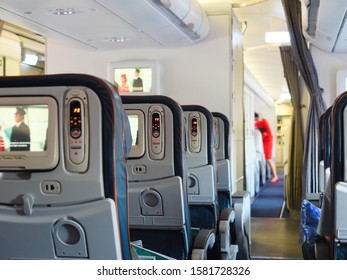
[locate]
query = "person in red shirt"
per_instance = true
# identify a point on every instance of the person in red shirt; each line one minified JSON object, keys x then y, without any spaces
{"x":264,"y":127}
{"x":123,"y":87}
{"x":2,"y":142}
{"x":2,"y":145}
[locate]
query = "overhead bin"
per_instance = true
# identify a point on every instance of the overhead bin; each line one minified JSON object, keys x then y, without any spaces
{"x":323,"y":24}
{"x":180,"y":8}
{"x":102,"y":24}
{"x":170,"y":22}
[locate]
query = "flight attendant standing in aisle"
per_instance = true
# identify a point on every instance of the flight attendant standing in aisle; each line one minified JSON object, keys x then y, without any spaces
{"x":264,"y":127}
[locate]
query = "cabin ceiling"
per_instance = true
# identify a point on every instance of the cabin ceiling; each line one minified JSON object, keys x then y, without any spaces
{"x":110,"y":16}
{"x":104,"y":24}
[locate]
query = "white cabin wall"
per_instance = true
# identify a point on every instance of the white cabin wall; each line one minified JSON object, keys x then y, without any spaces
{"x":63,"y":56}
{"x":327,"y":65}
{"x":197,"y":74}
{"x":242,"y":178}
{"x":252,"y":183}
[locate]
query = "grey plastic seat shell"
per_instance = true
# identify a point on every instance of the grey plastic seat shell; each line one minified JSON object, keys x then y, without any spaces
{"x":82,"y":220}
{"x":157,"y":195}
{"x":160,"y":172}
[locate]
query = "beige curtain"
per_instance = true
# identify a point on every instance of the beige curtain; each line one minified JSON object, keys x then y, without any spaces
{"x":1,"y":26}
{"x":296,"y":147}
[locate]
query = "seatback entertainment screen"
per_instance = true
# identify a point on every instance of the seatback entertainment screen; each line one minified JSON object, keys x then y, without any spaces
{"x":28,"y":133}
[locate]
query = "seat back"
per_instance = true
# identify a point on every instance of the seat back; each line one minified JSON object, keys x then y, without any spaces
{"x":320,"y":153}
{"x":324,"y":148}
{"x":338,"y":178}
{"x":323,"y":198}
{"x":327,"y":147}
{"x":224,"y":184}
{"x":201,"y":161}
{"x":159,"y":214}
{"x":65,"y":195}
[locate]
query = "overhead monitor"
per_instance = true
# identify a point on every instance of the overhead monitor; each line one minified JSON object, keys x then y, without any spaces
{"x":28,"y":133}
{"x":135,"y":77}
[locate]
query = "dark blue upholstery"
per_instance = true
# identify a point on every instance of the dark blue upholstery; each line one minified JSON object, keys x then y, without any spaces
{"x":167,"y":242}
{"x":224,"y":200}
{"x":321,"y":130}
{"x":327,"y":138}
{"x":203,"y":216}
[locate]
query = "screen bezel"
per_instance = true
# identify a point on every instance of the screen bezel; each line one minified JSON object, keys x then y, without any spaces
{"x":154,"y":65}
{"x":33,"y":160}
{"x":137,"y":151}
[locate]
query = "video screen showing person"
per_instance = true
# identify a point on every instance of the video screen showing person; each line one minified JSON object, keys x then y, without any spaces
{"x":23,"y":128}
{"x":134,"y":127}
{"x":133,"y":80}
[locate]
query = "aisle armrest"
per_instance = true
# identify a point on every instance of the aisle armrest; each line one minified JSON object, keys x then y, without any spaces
{"x":204,"y":241}
{"x":242,"y":208}
{"x":228,"y":250}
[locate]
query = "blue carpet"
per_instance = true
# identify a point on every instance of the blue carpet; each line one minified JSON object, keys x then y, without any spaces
{"x":269,"y":201}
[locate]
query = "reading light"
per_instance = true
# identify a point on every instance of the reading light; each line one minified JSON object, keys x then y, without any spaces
{"x":119,"y":39}
{"x":64,"y":12}
{"x":31,"y":59}
{"x":277,"y":37}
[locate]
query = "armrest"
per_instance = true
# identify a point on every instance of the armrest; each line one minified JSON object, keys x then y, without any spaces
{"x":227,"y":217}
{"x":315,"y":198}
{"x":242,"y":208}
{"x":228,"y":250}
{"x":205,"y":240}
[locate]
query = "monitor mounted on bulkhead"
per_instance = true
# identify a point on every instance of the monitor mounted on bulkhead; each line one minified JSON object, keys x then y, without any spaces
{"x":135,"y":77}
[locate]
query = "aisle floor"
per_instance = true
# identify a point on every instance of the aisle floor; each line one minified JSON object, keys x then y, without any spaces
{"x":275,"y":238}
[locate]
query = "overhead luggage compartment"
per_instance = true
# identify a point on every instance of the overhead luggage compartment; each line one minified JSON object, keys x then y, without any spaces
{"x":323,"y":24}
{"x":112,"y":24}
{"x":172,"y":23}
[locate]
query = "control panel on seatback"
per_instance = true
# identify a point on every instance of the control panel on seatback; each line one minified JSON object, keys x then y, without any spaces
{"x":76,"y":130}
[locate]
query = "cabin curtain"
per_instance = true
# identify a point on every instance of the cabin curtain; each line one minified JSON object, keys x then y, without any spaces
{"x":293,"y":180}
{"x":1,"y":26}
{"x":306,"y":67}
